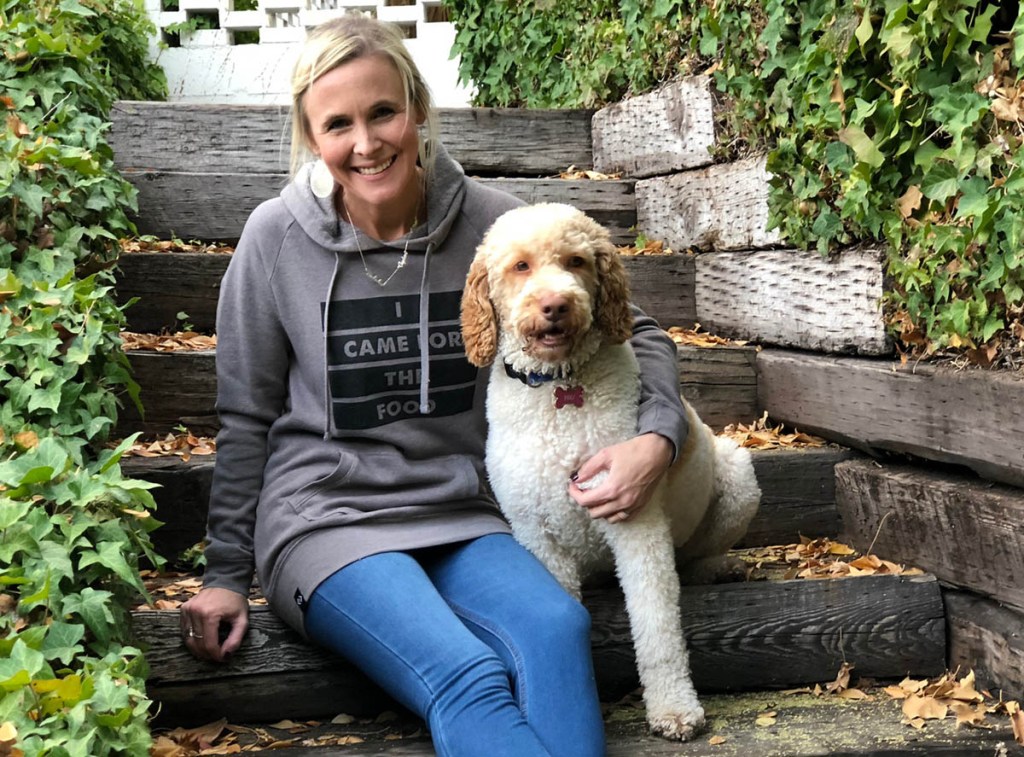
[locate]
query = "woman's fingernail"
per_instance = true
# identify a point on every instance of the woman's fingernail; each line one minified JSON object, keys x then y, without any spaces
{"x":574,"y":475}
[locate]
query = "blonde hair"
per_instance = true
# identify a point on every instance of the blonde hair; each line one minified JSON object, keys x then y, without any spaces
{"x":345,"y":39}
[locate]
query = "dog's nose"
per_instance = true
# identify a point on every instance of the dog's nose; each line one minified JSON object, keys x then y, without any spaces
{"x":553,"y":306}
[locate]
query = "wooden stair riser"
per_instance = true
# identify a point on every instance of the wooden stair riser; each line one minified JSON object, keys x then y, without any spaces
{"x":770,"y":634}
{"x":934,"y":412}
{"x":797,"y":497}
{"x":254,"y":139}
{"x":213,"y":207}
{"x":964,"y":531}
{"x":168,"y":283}
{"x":988,"y":638}
{"x":180,"y":389}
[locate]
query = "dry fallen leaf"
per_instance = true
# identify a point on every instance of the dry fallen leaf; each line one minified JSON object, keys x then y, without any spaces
{"x":925,"y":708}
{"x":761,"y":435}
{"x":1016,"y":720}
{"x":716,"y":740}
{"x":696,"y":338}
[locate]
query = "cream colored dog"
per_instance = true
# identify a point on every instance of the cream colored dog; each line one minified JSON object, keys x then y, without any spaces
{"x":547,"y":298}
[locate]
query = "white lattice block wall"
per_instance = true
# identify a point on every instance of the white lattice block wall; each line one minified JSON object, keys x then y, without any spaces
{"x":246,"y":55}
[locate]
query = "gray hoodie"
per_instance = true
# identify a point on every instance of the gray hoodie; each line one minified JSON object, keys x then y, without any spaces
{"x":341,"y":443}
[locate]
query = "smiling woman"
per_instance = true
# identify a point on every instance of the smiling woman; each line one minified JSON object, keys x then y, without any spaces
{"x":349,"y":473}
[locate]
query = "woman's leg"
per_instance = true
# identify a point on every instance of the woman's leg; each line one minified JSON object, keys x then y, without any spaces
{"x":507,"y":597}
{"x":384,"y":614}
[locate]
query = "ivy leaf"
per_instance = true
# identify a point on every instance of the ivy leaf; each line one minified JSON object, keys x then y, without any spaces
{"x":21,"y":666}
{"x":62,"y":641}
{"x":91,"y":606}
{"x":941,"y":182}
{"x":975,"y":199}
{"x":37,"y":466}
{"x":111,"y":555}
{"x":864,"y":31}
{"x":862,"y":145}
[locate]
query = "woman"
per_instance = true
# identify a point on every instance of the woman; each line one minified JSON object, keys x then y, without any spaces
{"x":349,"y":468}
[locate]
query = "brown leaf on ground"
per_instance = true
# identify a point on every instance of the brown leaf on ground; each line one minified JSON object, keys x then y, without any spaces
{"x":180,"y":341}
{"x":572,"y":172}
{"x":696,"y":338}
{"x":182,"y":445}
{"x":1016,"y":720}
{"x":925,"y":708}
{"x":762,"y":435}
{"x":172,"y":245}
{"x":645,"y":246}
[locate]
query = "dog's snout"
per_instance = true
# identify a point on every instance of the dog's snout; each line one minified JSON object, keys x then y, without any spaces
{"x":553,"y":306}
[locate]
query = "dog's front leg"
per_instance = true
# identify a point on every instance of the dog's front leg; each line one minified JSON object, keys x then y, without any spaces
{"x":645,"y":564}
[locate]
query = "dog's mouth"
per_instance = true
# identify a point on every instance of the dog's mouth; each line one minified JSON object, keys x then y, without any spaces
{"x":552,"y":337}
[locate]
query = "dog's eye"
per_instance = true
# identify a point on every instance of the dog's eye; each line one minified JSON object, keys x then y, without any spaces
{"x":577,"y":261}
{"x":522,"y":265}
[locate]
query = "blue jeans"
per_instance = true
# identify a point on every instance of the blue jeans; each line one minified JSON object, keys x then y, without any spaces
{"x":477,"y":638}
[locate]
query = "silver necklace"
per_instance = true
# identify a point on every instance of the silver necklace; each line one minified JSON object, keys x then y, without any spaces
{"x":401,"y":262}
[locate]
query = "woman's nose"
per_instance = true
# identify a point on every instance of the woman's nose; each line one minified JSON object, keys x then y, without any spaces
{"x":366,"y":140}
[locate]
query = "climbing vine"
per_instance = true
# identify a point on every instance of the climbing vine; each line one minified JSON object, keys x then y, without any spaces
{"x":72,"y":529}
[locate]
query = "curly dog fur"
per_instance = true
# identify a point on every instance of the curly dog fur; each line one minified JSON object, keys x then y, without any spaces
{"x":547,"y":299}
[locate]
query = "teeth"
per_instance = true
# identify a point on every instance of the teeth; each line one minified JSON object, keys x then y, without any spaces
{"x":376,"y":169}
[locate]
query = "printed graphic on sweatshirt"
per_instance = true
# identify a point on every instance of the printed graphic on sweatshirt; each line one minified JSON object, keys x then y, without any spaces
{"x":373,"y":360}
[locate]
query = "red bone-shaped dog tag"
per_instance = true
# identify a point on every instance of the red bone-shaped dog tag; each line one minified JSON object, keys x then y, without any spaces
{"x":571,"y":396}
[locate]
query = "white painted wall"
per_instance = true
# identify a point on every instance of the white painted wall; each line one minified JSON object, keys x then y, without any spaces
{"x":207,"y":67}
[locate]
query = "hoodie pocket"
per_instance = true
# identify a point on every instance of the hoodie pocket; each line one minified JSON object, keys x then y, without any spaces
{"x":384,"y":484}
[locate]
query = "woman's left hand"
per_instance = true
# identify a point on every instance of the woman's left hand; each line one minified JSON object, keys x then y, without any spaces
{"x":617,"y":482}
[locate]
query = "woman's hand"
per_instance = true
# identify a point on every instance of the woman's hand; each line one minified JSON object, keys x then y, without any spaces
{"x":202,"y":617}
{"x":617,"y":481}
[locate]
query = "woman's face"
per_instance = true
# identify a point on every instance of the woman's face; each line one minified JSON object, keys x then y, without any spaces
{"x":363,"y":130}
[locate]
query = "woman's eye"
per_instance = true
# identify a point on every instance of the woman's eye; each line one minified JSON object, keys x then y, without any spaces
{"x":383,"y":113}
{"x":337,"y":123}
{"x":522,"y":265}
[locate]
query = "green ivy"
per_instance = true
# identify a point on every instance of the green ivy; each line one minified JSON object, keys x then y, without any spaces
{"x":891,"y":122}
{"x":73,"y":530}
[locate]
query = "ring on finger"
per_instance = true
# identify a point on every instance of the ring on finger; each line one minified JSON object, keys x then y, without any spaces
{"x":191,"y":633}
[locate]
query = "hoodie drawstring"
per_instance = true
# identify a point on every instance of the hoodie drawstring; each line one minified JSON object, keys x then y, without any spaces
{"x":327,"y":336}
{"x":425,"y":333}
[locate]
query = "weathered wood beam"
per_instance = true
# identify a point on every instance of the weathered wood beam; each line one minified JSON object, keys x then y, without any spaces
{"x":934,"y":412}
{"x":987,"y":638}
{"x":794,"y":298}
{"x":180,"y":388}
{"x":722,"y":207}
{"x":218,"y":138}
{"x":213,"y":207}
{"x":757,"y":635}
{"x":720,"y":383}
{"x":168,"y":283}
{"x":176,"y":388}
{"x":660,"y":132}
{"x":967,"y":532}
{"x":797,"y":496}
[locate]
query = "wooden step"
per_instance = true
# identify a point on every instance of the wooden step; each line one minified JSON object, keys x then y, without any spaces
{"x":742,"y":636}
{"x":254,"y":139}
{"x":797,"y":496}
{"x":970,"y":418}
{"x":180,"y":388}
{"x":168,"y":283}
{"x":803,"y":726}
{"x":213,"y":207}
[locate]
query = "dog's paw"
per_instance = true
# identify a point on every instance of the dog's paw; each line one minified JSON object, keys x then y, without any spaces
{"x":679,"y":725}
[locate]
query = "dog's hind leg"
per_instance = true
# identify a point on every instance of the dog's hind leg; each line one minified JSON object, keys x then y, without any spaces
{"x":734,"y":501}
{"x":645,"y":565}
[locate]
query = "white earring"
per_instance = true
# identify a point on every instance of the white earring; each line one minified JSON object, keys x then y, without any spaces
{"x":320,"y":180}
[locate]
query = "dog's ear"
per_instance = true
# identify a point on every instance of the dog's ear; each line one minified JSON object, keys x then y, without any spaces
{"x":479,"y":321}
{"x":614,"y":317}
